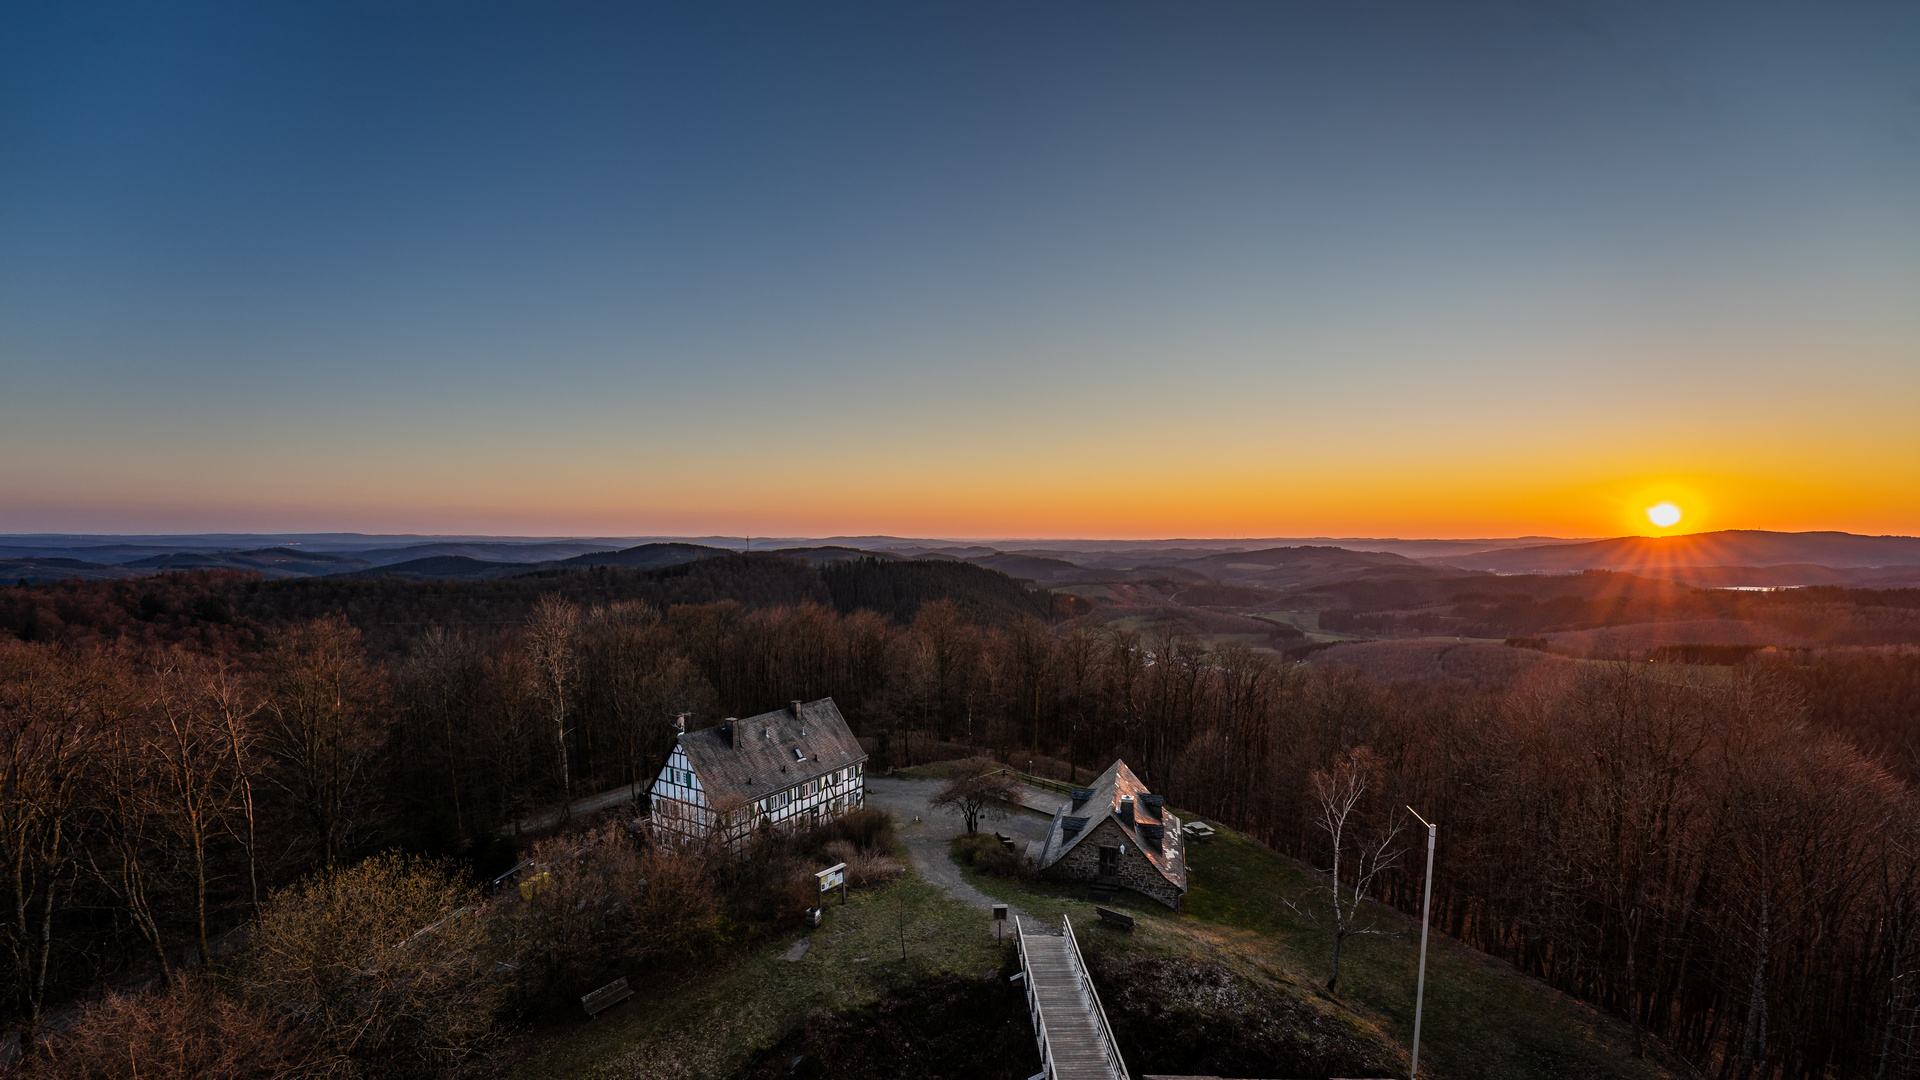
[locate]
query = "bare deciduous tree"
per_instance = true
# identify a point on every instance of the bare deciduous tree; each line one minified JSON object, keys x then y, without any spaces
{"x":320,"y":706}
{"x":1340,"y":793}
{"x":977,"y":790}
{"x":550,"y":649}
{"x":56,"y":710}
{"x":190,"y":746}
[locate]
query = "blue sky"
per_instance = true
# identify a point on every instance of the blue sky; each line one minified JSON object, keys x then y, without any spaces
{"x":1441,"y":269}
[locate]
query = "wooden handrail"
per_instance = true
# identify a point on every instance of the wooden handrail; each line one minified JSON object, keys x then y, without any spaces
{"x":1111,"y":1047}
{"x":1033,"y":1001}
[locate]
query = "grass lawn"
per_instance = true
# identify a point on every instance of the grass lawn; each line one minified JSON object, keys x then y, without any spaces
{"x":1483,"y":1020}
{"x":704,"y":1024}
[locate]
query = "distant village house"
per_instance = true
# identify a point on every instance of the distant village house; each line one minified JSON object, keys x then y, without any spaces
{"x":788,"y":768}
{"x":1116,"y":834}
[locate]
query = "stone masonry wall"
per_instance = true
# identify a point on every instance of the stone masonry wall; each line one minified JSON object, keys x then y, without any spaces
{"x":1136,"y":873}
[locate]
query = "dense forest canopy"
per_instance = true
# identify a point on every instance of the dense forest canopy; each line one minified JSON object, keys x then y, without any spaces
{"x":1725,"y":853}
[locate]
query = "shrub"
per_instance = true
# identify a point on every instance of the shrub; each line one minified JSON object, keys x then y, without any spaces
{"x":769,"y":887}
{"x":556,"y":924}
{"x":868,"y":869}
{"x":676,"y":915}
{"x":984,"y":852}
{"x":189,"y":1031}
{"x":594,"y":906}
{"x":867,"y":828}
{"x":389,"y":962}
{"x":838,"y":851}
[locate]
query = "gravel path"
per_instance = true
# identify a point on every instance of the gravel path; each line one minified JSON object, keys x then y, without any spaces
{"x":927,"y":839}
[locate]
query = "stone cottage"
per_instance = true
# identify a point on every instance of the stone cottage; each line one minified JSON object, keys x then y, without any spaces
{"x":1114,"y":835}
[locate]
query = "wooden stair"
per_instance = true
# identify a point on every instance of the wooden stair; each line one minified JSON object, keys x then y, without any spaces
{"x":1069,"y":1024}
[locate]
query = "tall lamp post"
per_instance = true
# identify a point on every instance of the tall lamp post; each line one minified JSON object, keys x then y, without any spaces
{"x":1426,"y":904}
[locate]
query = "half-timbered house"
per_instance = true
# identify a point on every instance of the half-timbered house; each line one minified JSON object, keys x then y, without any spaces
{"x":788,"y":768}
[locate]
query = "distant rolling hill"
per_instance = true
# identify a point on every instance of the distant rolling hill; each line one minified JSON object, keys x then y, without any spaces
{"x":58,"y":569}
{"x":644,"y":556}
{"x":502,"y":552}
{"x":272,"y":562}
{"x":832,"y":553}
{"x":1281,"y":568}
{"x":449,"y":567}
{"x":900,"y":587}
{"x":1658,"y":556}
{"x":1036,"y":568}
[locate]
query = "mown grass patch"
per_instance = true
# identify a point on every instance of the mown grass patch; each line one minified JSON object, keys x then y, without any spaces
{"x":707,"y":1024}
{"x":1483,"y":1020}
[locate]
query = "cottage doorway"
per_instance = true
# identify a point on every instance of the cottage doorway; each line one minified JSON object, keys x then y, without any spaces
{"x":1109,"y":862}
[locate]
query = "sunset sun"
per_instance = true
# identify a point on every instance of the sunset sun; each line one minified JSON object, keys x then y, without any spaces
{"x":1666,"y":515}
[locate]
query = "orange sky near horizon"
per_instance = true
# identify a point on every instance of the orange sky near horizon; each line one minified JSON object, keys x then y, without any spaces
{"x":903,"y":498}
{"x":1276,"y":270}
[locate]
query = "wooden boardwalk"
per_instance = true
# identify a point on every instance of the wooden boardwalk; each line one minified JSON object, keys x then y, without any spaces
{"x":1069,"y":1025}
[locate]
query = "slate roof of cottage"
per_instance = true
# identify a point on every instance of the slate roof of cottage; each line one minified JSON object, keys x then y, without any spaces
{"x":764,"y":762}
{"x":1104,"y":803}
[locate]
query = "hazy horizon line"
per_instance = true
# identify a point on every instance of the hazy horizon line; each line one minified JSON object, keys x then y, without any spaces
{"x":745,"y":539}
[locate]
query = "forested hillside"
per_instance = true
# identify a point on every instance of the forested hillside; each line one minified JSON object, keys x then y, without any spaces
{"x":391,"y":610}
{"x":1723,"y":855}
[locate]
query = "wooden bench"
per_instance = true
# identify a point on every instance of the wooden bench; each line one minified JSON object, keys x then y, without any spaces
{"x":1125,"y":922}
{"x":612,"y":994}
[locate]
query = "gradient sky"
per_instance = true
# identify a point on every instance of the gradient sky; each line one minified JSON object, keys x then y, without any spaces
{"x":1433,"y":269}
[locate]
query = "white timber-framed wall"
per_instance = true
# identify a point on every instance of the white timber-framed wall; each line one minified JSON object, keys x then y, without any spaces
{"x":679,"y":802}
{"x":786,"y":769}
{"x":825,"y":796}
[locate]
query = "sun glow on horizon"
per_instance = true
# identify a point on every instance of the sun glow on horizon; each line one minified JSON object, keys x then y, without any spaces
{"x":1665,"y":515}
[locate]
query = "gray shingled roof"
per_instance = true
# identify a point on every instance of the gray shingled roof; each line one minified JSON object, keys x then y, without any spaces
{"x":1104,"y":803}
{"x":764,"y":761}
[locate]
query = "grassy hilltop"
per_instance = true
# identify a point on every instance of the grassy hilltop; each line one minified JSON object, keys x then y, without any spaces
{"x":1236,"y":975}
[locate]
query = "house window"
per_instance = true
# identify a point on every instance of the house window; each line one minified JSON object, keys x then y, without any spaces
{"x":812,"y":788}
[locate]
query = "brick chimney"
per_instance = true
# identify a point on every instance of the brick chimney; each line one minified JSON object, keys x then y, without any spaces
{"x":680,"y":725}
{"x":1126,"y":809}
{"x":733,"y":731}
{"x":796,"y":710}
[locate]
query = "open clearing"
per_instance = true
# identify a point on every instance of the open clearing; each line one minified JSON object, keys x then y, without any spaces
{"x":1484,"y":1020}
